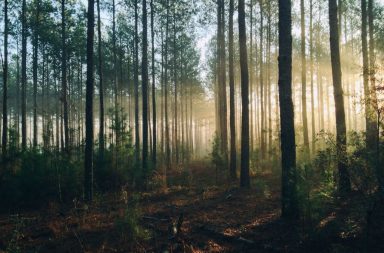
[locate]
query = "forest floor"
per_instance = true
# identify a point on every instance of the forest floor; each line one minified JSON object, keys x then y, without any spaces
{"x":209,"y":218}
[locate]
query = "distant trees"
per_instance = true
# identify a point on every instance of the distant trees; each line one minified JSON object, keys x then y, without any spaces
{"x":163,"y":106}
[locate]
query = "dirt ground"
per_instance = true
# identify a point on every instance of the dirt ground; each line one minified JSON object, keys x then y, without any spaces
{"x":189,"y":219}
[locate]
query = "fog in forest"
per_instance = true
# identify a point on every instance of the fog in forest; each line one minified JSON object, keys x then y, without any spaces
{"x":191,"y":126}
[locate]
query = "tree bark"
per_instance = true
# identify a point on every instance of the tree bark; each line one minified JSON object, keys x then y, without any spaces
{"x":5,"y":84}
{"x":222,"y":82}
{"x":167,"y":142}
{"x":244,"y":176}
{"x":88,"y":161}
{"x":101,"y":85}
{"x":232,"y":112}
{"x":34,"y":67}
{"x":311,"y":69}
{"x":154,"y":129}
{"x":24,"y":77}
{"x":372,"y":75}
{"x":136,"y":81}
{"x":341,"y":139}
{"x":304,"y":80}
{"x":144,"y":74}
{"x":288,"y":144}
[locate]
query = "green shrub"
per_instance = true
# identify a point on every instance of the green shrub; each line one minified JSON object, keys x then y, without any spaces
{"x":217,"y":157}
{"x":34,"y":177}
{"x":128,"y":226}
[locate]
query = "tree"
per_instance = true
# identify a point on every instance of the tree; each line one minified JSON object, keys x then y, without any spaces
{"x":341,"y":138}
{"x":374,"y":104}
{"x":232,"y":163}
{"x":64,"y":86}
{"x":369,"y":90}
{"x":288,"y":145}
{"x":244,"y":176}
{"x":101,"y":85}
{"x":136,"y":84}
{"x":5,"y":83}
{"x":154,"y":127}
{"x":24,"y":76}
{"x":115,"y":82}
{"x":311,"y":56}
{"x":222,"y":90}
{"x":144,"y":73}
{"x":34,"y":67}
{"x":304,"y":79}
{"x":167,"y":142}
{"x":88,"y":158}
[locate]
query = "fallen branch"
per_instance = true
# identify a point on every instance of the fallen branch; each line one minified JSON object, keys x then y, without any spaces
{"x":155,"y":219}
{"x":215,"y":233}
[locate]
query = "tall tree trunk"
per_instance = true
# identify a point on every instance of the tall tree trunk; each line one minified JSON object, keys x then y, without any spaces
{"x":251,"y":76}
{"x":88,"y":161}
{"x":18,"y":105}
{"x":372,"y":75}
{"x":154,"y":129}
{"x":136,"y":80}
{"x":311,"y":69}
{"x":167,"y":144}
{"x":369,"y":124}
{"x":261,"y":61}
{"x":64,"y":76}
{"x":288,"y":147}
{"x":144,"y":73}
{"x":24,"y":76}
{"x":5,"y":83}
{"x":244,"y":176}
{"x":222,"y":82}
{"x":115,"y":82}
{"x":304,"y":80}
{"x":101,"y":85}
{"x":232,"y":112}
{"x":34,"y":67}
{"x":175,"y":79}
{"x":162,"y":97}
{"x":341,"y":139}
{"x":269,"y":84}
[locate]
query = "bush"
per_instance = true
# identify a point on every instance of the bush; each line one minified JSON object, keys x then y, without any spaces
{"x":217,"y":157}
{"x":33,"y":178}
{"x":128,"y":225}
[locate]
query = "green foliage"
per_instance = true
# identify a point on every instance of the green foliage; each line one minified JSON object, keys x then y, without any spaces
{"x":315,"y":189}
{"x":115,"y":167}
{"x":217,"y":157}
{"x":361,"y":163}
{"x":128,"y":225}
{"x":317,"y":179}
{"x":34,"y":177}
{"x":13,"y":245}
